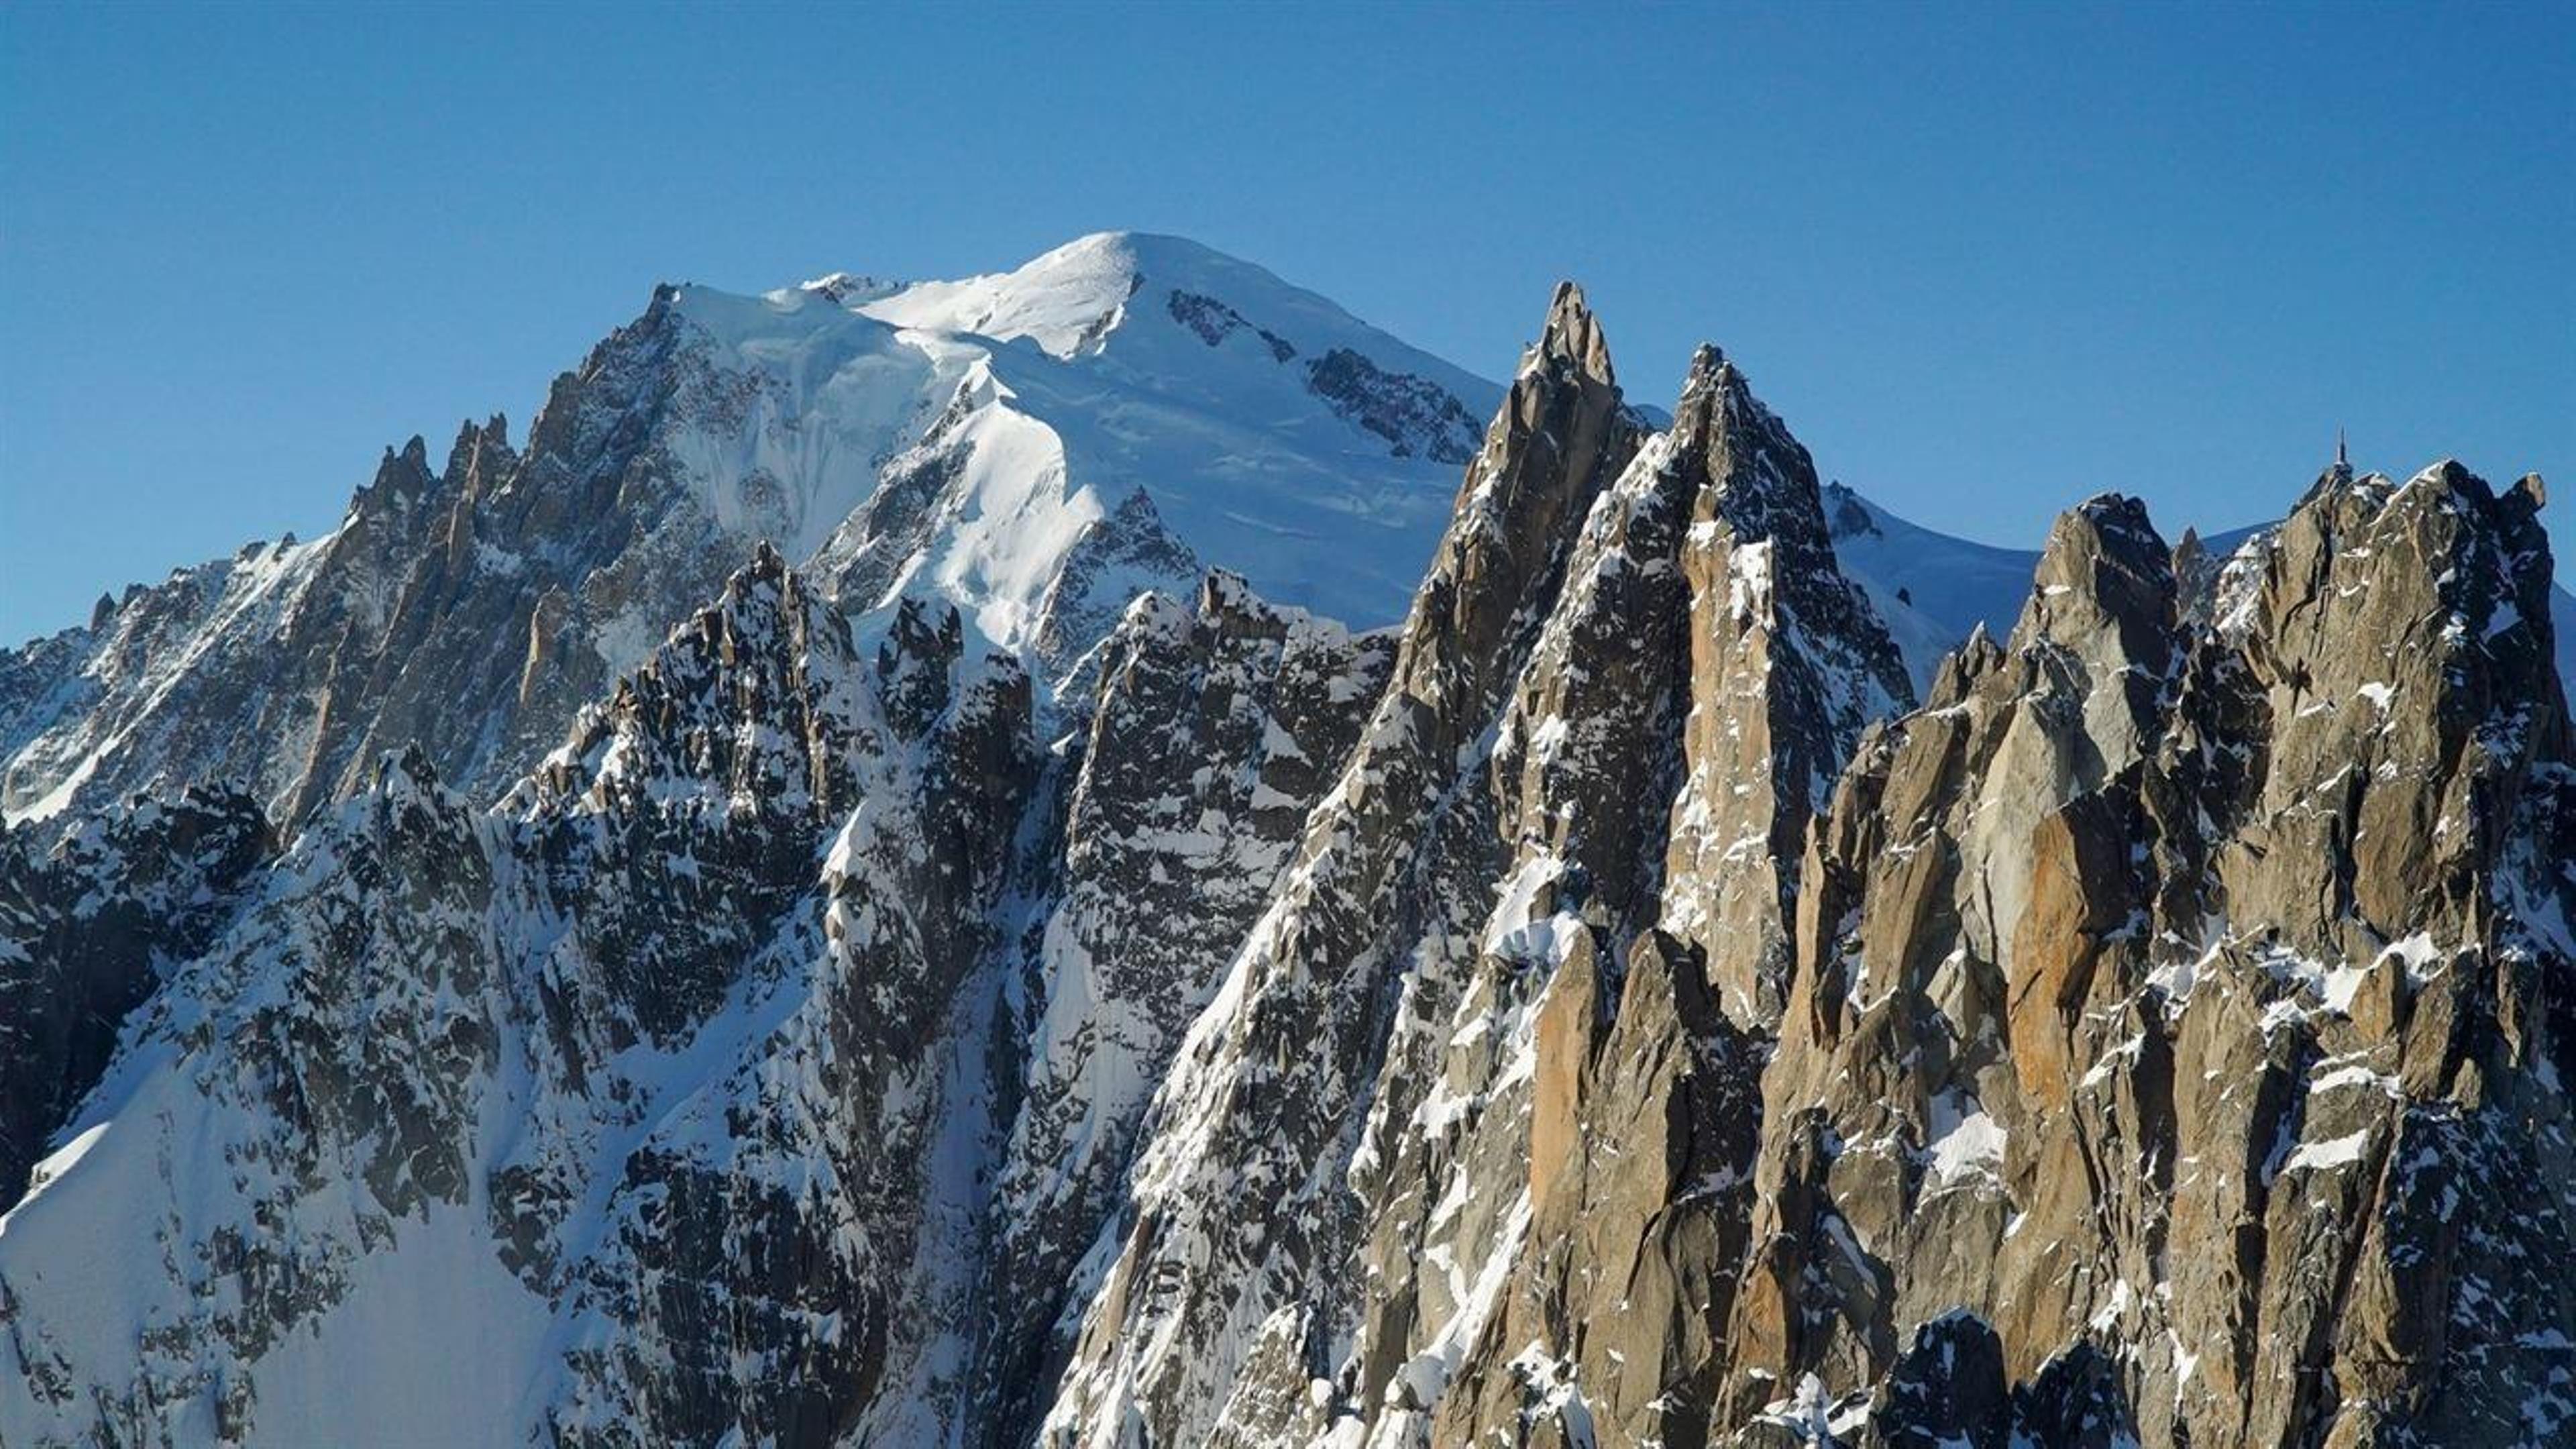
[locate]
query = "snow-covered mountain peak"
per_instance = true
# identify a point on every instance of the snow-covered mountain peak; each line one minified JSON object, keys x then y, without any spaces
{"x":1067,"y":300}
{"x":1032,"y":446}
{"x":1064,"y":301}
{"x":1158,"y":305}
{"x":1263,"y":422}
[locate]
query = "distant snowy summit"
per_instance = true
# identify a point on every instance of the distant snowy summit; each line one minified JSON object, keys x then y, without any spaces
{"x":1266,"y":428}
{"x":1035,"y":447}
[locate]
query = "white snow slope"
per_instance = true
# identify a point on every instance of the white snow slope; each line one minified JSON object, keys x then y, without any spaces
{"x":1152,"y":362}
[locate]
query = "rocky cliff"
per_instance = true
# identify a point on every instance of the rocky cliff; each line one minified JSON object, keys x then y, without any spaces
{"x":1604,"y":1008}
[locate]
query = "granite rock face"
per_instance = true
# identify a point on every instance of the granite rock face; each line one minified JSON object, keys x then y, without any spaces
{"x":1235,"y":1248}
{"x":1602,"y":1010}
{"x":1473,"y":1051}
{"x":2172,"y":988}
{"x":1217,"y":728}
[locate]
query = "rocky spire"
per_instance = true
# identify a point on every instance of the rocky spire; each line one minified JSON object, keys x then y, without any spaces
{"x":402,"y":478}
{"x":2103,"y":607}
{"x":1789,"y":661}
{"x":1572,"y":338}
{"x":1707,"y":660}
{"x":1561,"y":437}
{"x":480,"y":457}
{"x":1570,"y":712}
{"x":1373,"y":899}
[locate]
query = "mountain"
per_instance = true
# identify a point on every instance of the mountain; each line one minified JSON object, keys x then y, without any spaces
{"x":1035,"y":447}
{"x":942,"y":990}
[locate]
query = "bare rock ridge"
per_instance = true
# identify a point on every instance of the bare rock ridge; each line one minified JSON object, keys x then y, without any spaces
{"x":1466,"y":909}
{"x":1231,"y":1256}
{"x":2166,"y":990}
{"x":916,"y":999}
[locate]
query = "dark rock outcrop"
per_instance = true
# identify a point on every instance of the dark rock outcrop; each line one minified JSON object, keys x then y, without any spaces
{"x":90,"y":929}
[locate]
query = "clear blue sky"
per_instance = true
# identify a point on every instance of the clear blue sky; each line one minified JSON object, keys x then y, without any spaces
{"x":1985,"y":261}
